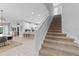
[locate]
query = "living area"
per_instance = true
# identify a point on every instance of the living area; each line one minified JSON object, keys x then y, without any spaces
{"x":17,"y":38}
{"x":16,"y":35}
{"x":20,"y":28}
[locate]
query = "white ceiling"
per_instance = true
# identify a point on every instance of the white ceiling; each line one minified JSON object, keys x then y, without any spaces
{"x":18,"y":12}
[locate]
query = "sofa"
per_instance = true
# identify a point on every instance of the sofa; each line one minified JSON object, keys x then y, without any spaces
{"x":4,"y":39}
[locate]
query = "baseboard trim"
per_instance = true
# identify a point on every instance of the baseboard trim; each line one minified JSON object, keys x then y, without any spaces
{"x":76,"y":39}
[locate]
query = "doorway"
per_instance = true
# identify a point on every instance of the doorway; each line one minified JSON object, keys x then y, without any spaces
{"x":17,"y":31}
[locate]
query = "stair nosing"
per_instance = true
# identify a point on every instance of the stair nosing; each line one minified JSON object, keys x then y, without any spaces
{"x":57,"y":34}
{"x":58,"y":37}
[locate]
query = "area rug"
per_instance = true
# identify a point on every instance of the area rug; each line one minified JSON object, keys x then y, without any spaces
{"x":9,"y":45}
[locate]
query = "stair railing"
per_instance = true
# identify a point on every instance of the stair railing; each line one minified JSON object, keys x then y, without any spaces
{"x":41,"y":31}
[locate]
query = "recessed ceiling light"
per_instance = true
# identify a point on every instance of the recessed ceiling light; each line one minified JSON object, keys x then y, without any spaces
{"x":39,"y":15}
{"x":32,"y":13}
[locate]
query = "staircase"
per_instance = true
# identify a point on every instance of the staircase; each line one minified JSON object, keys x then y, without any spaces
{"x":57,"y":43}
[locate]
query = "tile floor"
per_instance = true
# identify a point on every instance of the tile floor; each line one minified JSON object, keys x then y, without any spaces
{"x":26,"y":49}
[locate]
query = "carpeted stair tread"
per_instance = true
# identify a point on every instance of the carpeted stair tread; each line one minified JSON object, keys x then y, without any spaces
{"x":52,"y":52}
{"x":69,"y":49}
{"x":56,"y":34}
{"x":58,"y":37}
{"x":61,"y":43}
{"x":54,"y":31}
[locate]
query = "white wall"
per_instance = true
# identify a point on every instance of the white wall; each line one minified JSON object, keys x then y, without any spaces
{"x":70,"y":20}
{"x":49,"y":7}
{"x":56,"y":4}
{"x":57,"y":8}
